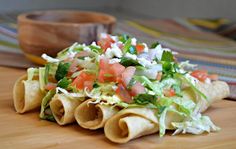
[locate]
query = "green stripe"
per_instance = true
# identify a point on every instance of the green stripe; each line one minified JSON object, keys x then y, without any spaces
{"x":9,"y":44}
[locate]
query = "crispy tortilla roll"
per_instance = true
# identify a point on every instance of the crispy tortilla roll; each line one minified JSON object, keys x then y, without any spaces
{"x":93,"y":116}
{"x":26,"y":95}
{"x":136,"y":122}
{"x":63,"y":108}
{"x":131,"y":123}
{"x":215,"y":91}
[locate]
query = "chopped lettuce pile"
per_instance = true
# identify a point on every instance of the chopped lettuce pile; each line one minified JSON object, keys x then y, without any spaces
{"x":121,"y":71}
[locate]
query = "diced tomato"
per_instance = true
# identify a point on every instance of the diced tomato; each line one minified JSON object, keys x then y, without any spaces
{"x":84,"y":80}
{"x":119,"y":79}
{"x":104,"y":63}
{"x":50,"y":86}
{"x":201,"y":75}
{"x":117,"y":69}
{"x":137,"y":88}
{"x":140,"y":48}
{"x":106,"y":76}
{"x":213,"y":77}
{"x":123,"y":94}
{"x":82,"y":54}
{"x":109,"y":72}
{"x":127,"y":75}
{"x":169,"y":92}
{"x":78,"y":82}
{"x":105,"y":43}
{"x":159,"y":75}
{"x":101,"y":76}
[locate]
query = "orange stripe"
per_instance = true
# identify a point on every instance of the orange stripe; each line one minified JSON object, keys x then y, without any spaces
{"x":35,"y":59}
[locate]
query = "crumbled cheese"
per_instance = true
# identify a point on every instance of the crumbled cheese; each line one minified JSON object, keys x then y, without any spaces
{"x":115,"y":38}
{"x":103,"y":35}
{"x":86,"y":48}
{"x":144,"y":62}
{"x":95,"y":44}
{"x":113,"y":51}
{"x":133,"y":41}
{"x":159,"y":52}
{"x":131,"y":56}
{"x":114,"y":60}
{"x":207,"y":81}
{"x":145,"y":47}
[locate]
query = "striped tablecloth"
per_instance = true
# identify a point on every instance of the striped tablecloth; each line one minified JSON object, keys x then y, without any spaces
{"x":210,"y":51}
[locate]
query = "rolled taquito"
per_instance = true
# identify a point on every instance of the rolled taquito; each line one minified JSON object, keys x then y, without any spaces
{"x":27,"y":94}
{"x":63,"y":108}
{"x":132,"y":123}
{"x":93,"y":116}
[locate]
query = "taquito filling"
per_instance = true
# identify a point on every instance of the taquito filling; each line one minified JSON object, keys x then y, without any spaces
{"x":58,"y":110}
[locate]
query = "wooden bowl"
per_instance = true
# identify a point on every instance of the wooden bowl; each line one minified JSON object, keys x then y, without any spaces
{"x":51,"y":31}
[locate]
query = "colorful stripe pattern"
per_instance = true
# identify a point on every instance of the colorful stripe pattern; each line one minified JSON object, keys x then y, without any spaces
{"x":210,"y":51}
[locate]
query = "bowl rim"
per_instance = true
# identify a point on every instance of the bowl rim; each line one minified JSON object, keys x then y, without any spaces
{"x":24,"y":18}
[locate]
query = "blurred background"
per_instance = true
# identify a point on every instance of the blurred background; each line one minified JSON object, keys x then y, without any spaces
{"x":132,"y":8}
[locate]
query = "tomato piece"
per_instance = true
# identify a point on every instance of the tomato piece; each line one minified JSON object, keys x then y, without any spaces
{"x":169,"y":92}
{"x":201,"y":75}
{"x":78,"y":82}
{"x":84,"y":80}
{"x":109,"y":72}
{"x":50,"y":86}
{"x":104,"y":63}
{"x":137,"y":88}
{"x":213,"y":77}
{"x":127,"y":75}
{"x":105,"y":43}
{"x":123,"y":94}
{"x":117,"y":69}
{"x":140,"y":48}
{"x":100,"y":76}
{"x":106,"y":76}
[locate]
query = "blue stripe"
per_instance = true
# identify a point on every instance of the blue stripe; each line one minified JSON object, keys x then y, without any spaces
{"x":7,"y":27}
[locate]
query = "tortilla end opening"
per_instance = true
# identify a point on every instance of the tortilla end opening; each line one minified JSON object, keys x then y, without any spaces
{"x":58,"y":111}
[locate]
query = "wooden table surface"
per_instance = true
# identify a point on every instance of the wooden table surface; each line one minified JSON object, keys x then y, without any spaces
{"x":28,"y":131}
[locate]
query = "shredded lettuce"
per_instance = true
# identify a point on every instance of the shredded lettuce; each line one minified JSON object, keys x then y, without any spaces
{"x":50,"y":59}
{"x":191,"y":85}
{"x":184,"y":105}
{"x":78,"y":95}
{"x":42,"y":80}
{"x":64,"y":83}
{"x":45,"y":112}
{"x":196,"y":124}
{"x":154,"y":86}
{"x":162,"y":125}
{"x":31,"y":72}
